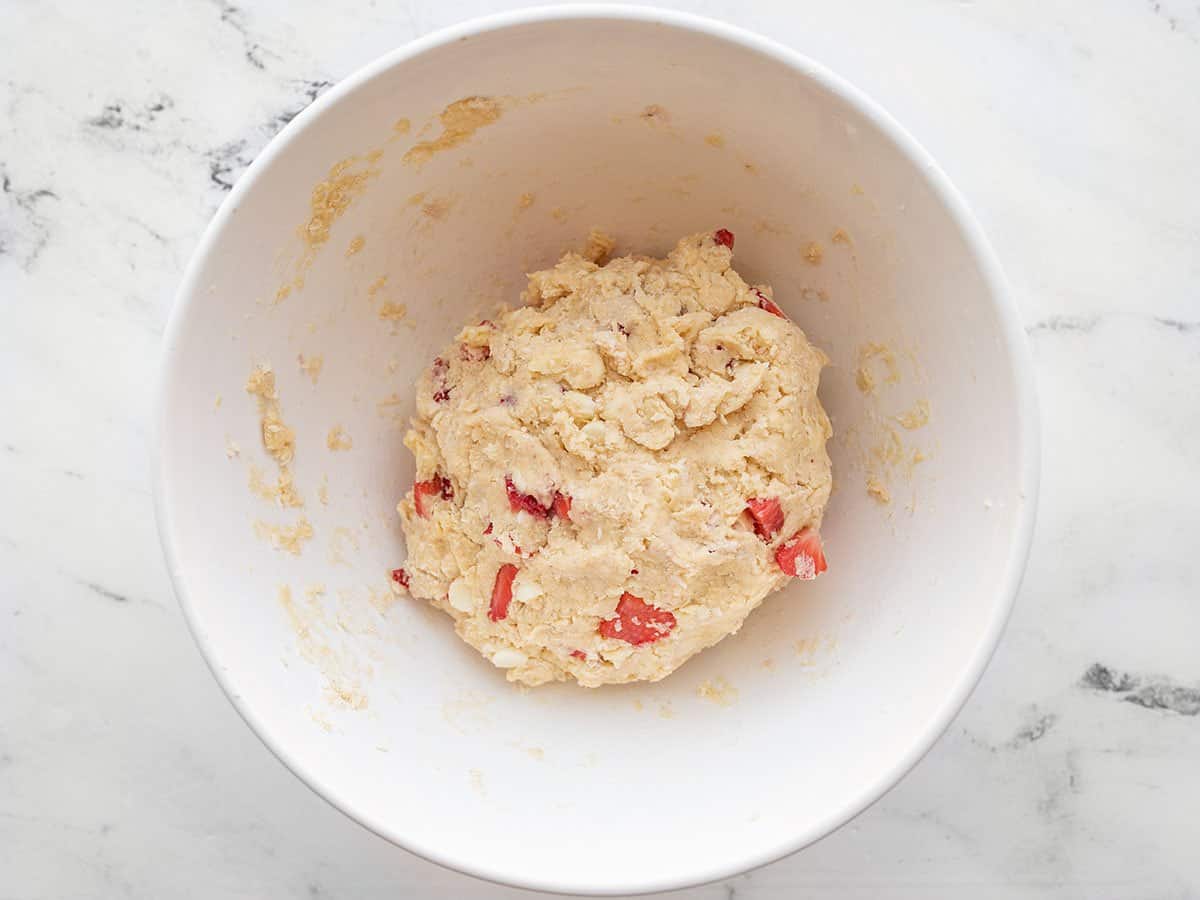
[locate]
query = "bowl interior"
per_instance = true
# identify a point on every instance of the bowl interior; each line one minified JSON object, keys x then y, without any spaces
{"x":647,"y":130}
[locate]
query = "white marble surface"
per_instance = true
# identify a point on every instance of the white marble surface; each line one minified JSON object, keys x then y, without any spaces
{"x":1074,"y":130}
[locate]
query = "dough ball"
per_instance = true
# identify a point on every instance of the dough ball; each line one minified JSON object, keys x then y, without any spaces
{"x":611,"y":477}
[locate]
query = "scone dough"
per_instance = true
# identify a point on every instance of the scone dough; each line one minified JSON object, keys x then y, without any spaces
{"x":609,"y":440}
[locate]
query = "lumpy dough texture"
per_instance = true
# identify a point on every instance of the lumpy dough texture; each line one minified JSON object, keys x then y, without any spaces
{"x":613,"y":476}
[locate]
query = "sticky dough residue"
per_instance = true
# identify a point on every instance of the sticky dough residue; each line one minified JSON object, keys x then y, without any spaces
{"x":278,"y":439}
{"x":718,"y":691}
{"x":311,"y":366}
{"x":286,"y":537}
{"x":875,"y":362}
{"x":887,"y":457}
{"x":460,"y":120}
{"x":337,"y":439}
{"x":343,"y":687}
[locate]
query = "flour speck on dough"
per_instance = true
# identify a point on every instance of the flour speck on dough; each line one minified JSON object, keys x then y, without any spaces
{"x":613,"y":476}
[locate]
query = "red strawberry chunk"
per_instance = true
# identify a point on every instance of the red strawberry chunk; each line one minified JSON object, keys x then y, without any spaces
{"x":768,"y":304}
{"x":801,"y":556}
{"x":400,"y":577}
{"x":767,"y":515}
{"x":562,"y":506}
{"x":502,"y":592}
{"x":579,"y":654}
{"x":527,"y":502}
{"x":724,"y":237}
{"x":469,"y":353}
{"x":441,"y":391}
{"x":434,"y":487}
{"x":637,"y":622}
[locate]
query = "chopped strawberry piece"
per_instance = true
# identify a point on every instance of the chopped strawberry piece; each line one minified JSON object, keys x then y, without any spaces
{"x":801,"y":556}
{"x":434,"y":487}
{"x":441,"y":391}
{"x":767,"y":515}
{"x":502,"y":592}
{"x":488,"y":530}
{"x":469,"y":353}
{"x":724,"y":237}
{"x":637,"y":622}
{"x":400,"y":577}
{"x":579,"y":654}
{"x":562,"y":506}
{"x":488,"y":322}
{"x":527,"y":502}
{"x":768,"y":304}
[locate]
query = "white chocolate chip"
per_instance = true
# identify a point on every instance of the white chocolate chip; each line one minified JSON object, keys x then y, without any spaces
{"x":508,"y":658}
{"x":462,"y":597}
{"x":526,"y":589}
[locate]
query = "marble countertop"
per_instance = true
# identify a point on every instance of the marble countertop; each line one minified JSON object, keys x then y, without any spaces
{"x":1072,"y":129}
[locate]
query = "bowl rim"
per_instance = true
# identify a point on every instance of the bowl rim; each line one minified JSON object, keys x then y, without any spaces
{"x":1014,"y":344}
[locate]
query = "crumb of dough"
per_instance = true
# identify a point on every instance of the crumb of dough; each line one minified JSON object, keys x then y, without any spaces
{"x":284,"y":291}
{"x":337,"y":439}
{"x":865,"y":375}
{"x":878,"y":490}
{"x":342,"y":540}
{"x":348,"y":695}
{"x":284,"y":537}
{"x":666,"y":710}
{"x":536,"y":752}
{"x":332,"y":197}
{"x":460,"y":120}
{"x":312,"y":592}
{"x":321,"y":720}
{"x":768,"y":664}
{"x":558,"y":214}
{"x":714,"y":140}
{"x":437,"y":208}
{"x":382,"y":600}
{"x":718,"y":691}
{"x":376,"y":286}
{"x":393,"y":312}
{"x":416,"y":199}
{"x":599,"y":247}
{"x":217,"y":402}
{"x":232,"y":450}
{"x":356,"y":244}
{"x":856,"y":189}
{"x":277,"y":437}
{"x":283,"y":491}
{"x":402,"y":126}
{"x":917,"y":417}
{"x":765,"y":226}
{"x":840,"y":236}
{"x":585,"y":463}
{"x":814,"y":253}
{"x":311,"y":366}
{"x":524,"y":202}
{"x":323,"y":490}
{"x":655,"y":114}
{"x":387,"y":406}
{"x":477,"y":784}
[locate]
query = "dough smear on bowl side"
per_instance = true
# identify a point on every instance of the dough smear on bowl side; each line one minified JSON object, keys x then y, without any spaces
{"x":613,"y":476}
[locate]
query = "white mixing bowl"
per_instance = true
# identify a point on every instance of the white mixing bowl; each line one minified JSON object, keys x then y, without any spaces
{"x":649,"y":125}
